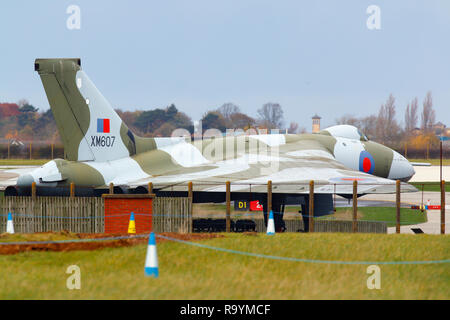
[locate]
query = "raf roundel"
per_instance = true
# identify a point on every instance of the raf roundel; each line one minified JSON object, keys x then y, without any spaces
{"x":366,"y":162}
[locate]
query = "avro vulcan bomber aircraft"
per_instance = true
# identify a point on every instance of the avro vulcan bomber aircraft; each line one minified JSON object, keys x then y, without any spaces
{"x":100,"y":149}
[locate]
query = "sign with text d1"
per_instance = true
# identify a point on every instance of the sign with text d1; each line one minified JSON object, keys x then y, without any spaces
{"x":241,"y":205}
{"x":244,"y":205}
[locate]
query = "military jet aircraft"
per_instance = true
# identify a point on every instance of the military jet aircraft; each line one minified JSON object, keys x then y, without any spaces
{"x":100,"y":149}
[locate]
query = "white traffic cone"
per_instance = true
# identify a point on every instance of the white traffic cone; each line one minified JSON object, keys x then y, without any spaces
{"x":271,"y":224}
{"x":151,"y":260}
{"x":9,"y":224}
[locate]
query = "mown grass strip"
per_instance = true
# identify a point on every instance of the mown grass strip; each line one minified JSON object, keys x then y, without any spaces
{"x":187,"y":272}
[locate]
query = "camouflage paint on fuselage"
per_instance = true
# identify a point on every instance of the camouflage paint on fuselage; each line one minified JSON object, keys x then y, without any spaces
{"x":383,"y":158}
{"x":100,"y":149}
{"x":79,"y":173}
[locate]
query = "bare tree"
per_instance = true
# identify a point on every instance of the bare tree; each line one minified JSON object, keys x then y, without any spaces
{"x":293,"y":128}
{"x":22,"y":102}
{"x":228,"y":109}
{"x":350,"y":120}
{"x":411,"y":116}
{"x":387,"y":128}
{"x":428,"y":114}
{"x":271,"y":115}
{"x":241,"y":121}
{"x":369,"y":125}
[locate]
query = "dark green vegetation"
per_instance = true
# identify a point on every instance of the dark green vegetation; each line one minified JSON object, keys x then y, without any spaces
{"x":25,"y":122}
{"x":23,"y":162}
{"x":388,"y":215}
{"x":158,"y":121}
{"x":188,"y":272}
{"x":431,"y":186}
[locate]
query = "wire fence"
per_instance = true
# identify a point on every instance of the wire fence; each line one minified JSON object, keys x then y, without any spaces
{"x":19,"y":149}
{"x":345,"y":211}
{"x":231,"y":251}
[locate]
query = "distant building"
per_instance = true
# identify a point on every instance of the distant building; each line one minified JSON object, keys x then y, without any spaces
{"x":439,"y":128}
{"x":447,"y":132}
{"x":416,"y":131}
{"x":316,"y":123}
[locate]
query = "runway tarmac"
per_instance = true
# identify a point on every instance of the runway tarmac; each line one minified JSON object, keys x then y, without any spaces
{"x":430,"y":174}
{"x":9,"y":174}
{"x":432,"y":226}
{"x":343,"y":203}
{"x":410,"y":198}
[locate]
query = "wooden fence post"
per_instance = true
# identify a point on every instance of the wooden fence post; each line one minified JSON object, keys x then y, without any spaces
{"x":111,"y":188}
{"x":72,"y":190}
{"x":30,"y":149}
{"x":9,"y":152}
{"x":228,"y":200}
{"x":311,"y":206}
{"x":443,"y":207}
{"x":191,"y":206}
{"x":397,"y":202}
{"x":150,"y":187}
{"x":269,"y":196}
{"x":190,"y":190}
{"x":33,"y":190}
{"x":355,"y":207}
{"x":52,"y":146}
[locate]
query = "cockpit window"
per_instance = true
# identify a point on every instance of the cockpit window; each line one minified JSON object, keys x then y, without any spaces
{"x":363,"y":136}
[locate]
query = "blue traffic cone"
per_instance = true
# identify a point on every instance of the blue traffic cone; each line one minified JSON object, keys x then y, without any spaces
{"x":151,"y":260}
{"x":271,"y":224}
{"x":9,"y":224}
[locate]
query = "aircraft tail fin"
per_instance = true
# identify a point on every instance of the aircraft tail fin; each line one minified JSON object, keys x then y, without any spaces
{"x":88,"y":125}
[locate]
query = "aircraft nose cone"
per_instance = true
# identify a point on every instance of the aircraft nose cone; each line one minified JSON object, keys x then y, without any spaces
{"x":401,"y":169}
{"x":25,"y":180}
{"x":409,"y":172}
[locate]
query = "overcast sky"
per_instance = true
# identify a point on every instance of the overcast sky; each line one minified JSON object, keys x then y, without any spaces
{"x":311,"y":57}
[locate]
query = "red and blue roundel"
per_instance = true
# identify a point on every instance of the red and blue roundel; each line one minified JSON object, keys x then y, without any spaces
{"x":366,"y":162}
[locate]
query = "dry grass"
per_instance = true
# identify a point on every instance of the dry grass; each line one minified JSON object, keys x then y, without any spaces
{"x":23,"y":162}
{"x":188,"y":272}
{"x":345,"y":214}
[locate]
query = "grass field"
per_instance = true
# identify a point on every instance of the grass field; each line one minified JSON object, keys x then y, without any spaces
{"x":407,"y":216}
{"x":23,"y":162}
{"x":387,"y":214}
{"x":188,"y":272}
{"x":40,"y":236}
{"x":431,"y":186}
